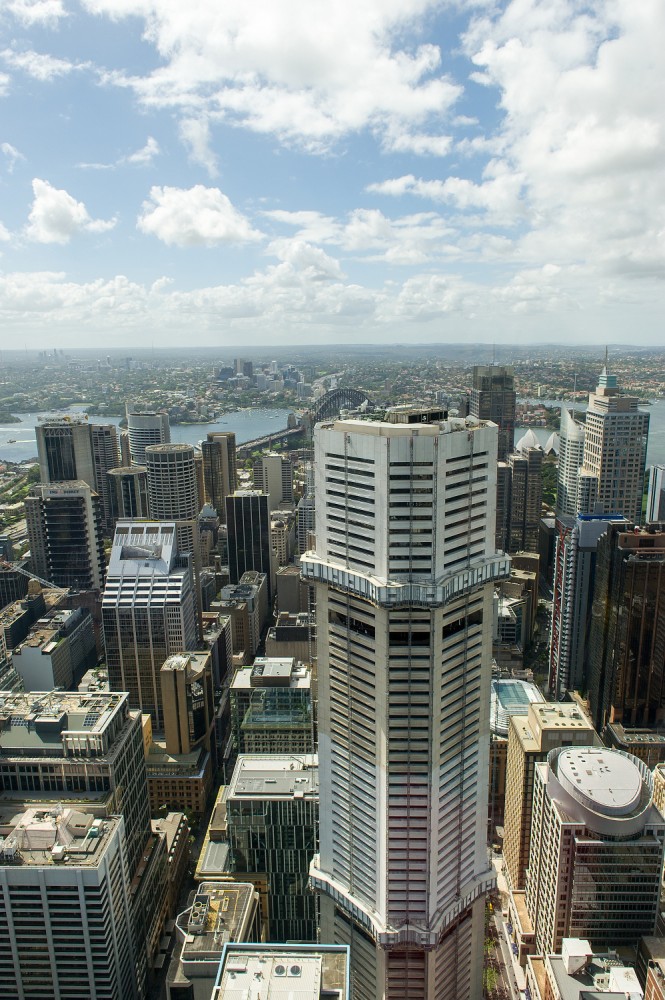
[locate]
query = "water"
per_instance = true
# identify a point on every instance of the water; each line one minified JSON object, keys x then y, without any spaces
{"x":18,"y":442}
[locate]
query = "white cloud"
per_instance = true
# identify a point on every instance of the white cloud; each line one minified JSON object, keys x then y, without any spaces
{"x":39,"y":65}
{"x":5,"y":80}
{"x":195,"y":133}
{"x":41,"y":12}
{"x":197,"y":216}
{"x":5,"y":235}
{"x":12,"y":154}
{"x":55,"y":216}
{"x":305,"y":71}
{"x":143,"y":157}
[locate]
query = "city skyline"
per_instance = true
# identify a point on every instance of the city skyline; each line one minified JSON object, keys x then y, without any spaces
{"x":428,"y":171}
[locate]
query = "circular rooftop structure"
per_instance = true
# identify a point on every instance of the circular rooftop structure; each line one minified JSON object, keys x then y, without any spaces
{"x":605,"y":780}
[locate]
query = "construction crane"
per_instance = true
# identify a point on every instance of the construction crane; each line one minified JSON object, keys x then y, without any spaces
{"x":33,"y":576}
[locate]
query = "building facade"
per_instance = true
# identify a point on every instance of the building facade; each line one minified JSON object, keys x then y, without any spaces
{"x":64,"y":522}
{"x":220,"y":477}
{"x":249,"y":541}
{"x":404,"y":569}
{"x":493,"y":397}
{"x":146,"y":429}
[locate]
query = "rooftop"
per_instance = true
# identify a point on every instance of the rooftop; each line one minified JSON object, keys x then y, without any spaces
{"x":275,"y":776}
{"x":283,"y":972}
{"x":607,"y":781}
{"x":510,"y":697}
{"x":219,"y":913}
{"x":55,"y":836}
{"x":39,"y":720}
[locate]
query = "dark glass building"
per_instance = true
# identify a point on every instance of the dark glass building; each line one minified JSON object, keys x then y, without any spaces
{"x":249,"y":545}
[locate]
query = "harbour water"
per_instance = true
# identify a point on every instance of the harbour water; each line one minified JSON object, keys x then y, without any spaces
{"x":18,"y":442}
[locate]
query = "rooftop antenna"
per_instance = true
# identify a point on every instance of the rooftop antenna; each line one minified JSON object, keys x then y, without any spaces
{"x":606,"y":353}
{"x":574,"y":393}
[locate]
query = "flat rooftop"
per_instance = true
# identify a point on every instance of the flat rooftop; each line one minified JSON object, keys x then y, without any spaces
{"x":275,"y":776}
{"x":605,"y":780}
{"x":604,"y":978}
{"x":283,"y":972}
{"x":53,"y":836}
{"x":37,"y":720}
{"x":219,"y":913}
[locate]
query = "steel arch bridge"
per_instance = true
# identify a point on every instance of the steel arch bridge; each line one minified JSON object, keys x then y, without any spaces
{"x":335,"y":400}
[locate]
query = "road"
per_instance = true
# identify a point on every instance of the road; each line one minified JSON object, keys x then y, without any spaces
{"x":507,"y":971}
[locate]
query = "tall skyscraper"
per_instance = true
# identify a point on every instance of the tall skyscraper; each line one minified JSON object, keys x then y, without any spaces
{"x":73,"y":449}
{"x":129,"y":492}
{"x":493,"y":398}
{"x":611,"y":479}
{"x":148,"y":610}
{"x":249,"y":542}
{"x":574,"y":576}
{"x":656,"y":494}
{"x":525,"y":499}
{"x":273,"y":474}
{"x":220,"y":476}
{"x":64,"y":522}
{"x":404,"y":568}
{"x":627,"y":643}
{"x":596,"y":856}
{"x":145,"y":429}
{"x":571,"y":455}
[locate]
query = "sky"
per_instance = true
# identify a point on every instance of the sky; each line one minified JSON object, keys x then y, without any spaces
{"x":229,"y":172}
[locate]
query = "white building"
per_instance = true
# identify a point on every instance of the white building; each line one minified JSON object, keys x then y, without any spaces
{"x":273,"y":474}
{"x":145,"y":429}
{"x":571,"y":452}
{"x":656,"y":494}
{"x":65,"y":918}
{"x":148,"y":610}
{"x":403,"y":568}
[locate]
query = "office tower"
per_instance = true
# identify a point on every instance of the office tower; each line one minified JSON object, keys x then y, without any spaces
{"x":129,"y":492}
{"x":273,"y":474}
{"x":148,"y":610}
{"x":56,"y":651}
{"x":503,"y":486}
{"x":172,"y":487}
{"x":627,"y":643}
{"x":305,"y":522}
{"x":571,"y":454}
{"x":282,"y":536}
{"x":404,"y":569}
{"x":76,"y":450}
{"x":596,"y":857}
{"x":611,"y":479}
{"x":249,"y":545}
{"x":187,"y":697}
{"x":656,"y":494}
{"x":493,"y":398}
{"x":324,"y":967}
{"x":220,"y":477}
{"x":531,"y":736}
{"x":526,"y":499}
{"x":125,"y":453}
{"x":509,"y":697}
{"x":146,"y":429}
{"x":66,"y":917}
{"x":62,"y":745}
{"x":271,"y":707}
{"x":272,"y":815}
{"x":246,"y":604}
{"x":64,"y":522}
{"x":574,"y":575}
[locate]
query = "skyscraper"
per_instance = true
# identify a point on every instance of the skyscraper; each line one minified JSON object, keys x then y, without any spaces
{"x":525,"y":499}
{"x":273,"y":474}
{"x":571,"y":454}
{"x":656,"y":494}
{"x":493,"y":398}
{"x":129,"y":492}
{"x":70,"y":449}
{"x":403,"y":569}
{"x":627,"y":643}
{"x":249,"y":542}
{"x":145,"y":429}
{"x":611,"y":479}
{"x":148,"y":610}
{"x":64,"y":522}
{"x":219,"y":469}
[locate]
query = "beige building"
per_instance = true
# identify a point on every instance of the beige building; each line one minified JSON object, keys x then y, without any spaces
{"x":579,"y":973}
{"x":530,"y":739}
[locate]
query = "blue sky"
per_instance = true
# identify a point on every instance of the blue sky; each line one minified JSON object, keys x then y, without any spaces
{"x":270,"y":172}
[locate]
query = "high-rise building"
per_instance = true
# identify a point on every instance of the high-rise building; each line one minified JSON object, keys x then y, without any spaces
{"x":64,"y":522}
{"x":129,"y":492}
{"x":271,"y":707}
{"x":146,"y":429}
{"x":65,"y":921}
{"x":323,"y":967}
{"x":71,"y":449}
{"x":597,"y":842}
{"x":273,"y":474}
{"x":148,"y":610}
{"x":611,"y":479}
{"x":404,"y":568}
{"x":220,"y":476}
{"x":526,"y":498}
{"x":574,"y":575}
{"x":627,"y":641}
{"x":493,"y":398}
{"x":62,"y":745}
{"x":249,"y":542}
{"x":656,"y":494}
{"x":571,"y":455}
{"x":272,"y":815}
{"x":531,"y":736}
